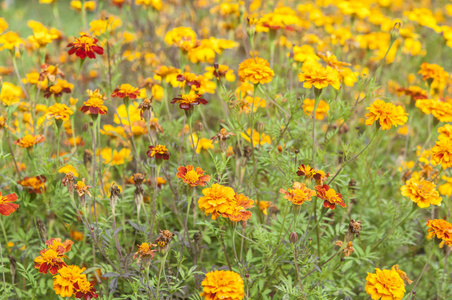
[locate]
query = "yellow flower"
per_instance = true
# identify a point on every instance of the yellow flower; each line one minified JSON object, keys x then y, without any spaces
{"x":442,"y":229}
{"x":387,"y":114}
{"x":315,"y":75}
{"x":10,"y":40}
{"x":257,"y":138}
{"x":33,"y":78}
{"x":433,"y":74}
{"x":304,"y":53}
{"x":223,"y":285}
{"x":445,"y":132}
{"x":217,"y":200}
{"x":121,"y":111}
{"x":155,"y":4}
{"x":3,"y":25}
{"x":179,"y":33}
{"x":442,"y":153}
{"x":321,"y":111}
{"x":89,"y":5}
{"x":98,"y":27}
{"x":59,"y":111}
{"x":440,"y":110}
{"x":421,"y":191}
{"x":47,"y":1}
{"x":446,"y":188}
{"x":256,"y":70}
{"x":385,"y":285}
{"x":115,"y":157}
{"x":202,"y":144}
{"x":63,"y":283}
{"x":68,"y":168}
{"x":298,"y":194}
{"x":10,"y":94}
{"x":95,"y":103}
{"x":29,"y":140}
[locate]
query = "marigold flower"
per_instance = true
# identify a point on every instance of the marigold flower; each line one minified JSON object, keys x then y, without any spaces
{"x":10,"y":41}
{"x":442,"y":230}
{"x":144,"y":252}
{"x":442,"y":152}
{"x":414,"y":92}
{"x":223,"y":285}
{"x":84,"y":289}
{"x":387,"y":114}
{"x":321,"y":111}
{"x":306,"y":171}
{"x":217,"y":200}
{"x":315,"y":75}
{"x":59,"y":111}
{"x":439,"y":109}
{"x":256,"y":70}
{"x":6,"y":205}
{"x":445,"y":132}
{"x":265,"y":205}
{"x":421,"y":191}
{"x":126,"y":90}
{"x":63,"y":283}
{"x":330,"y":196}
{"x":239,"y":211}
{"x":29,"y":140}
{"x":446,"y":188}
{"x":433,"y":73}
{"x":191,"y":176}
{"x":187,"y":101}
{"x":85,"y":46}
{"x":115,"y":157}
{"x":60,"y":87}
{"x":385,"y":284}
{"x":51,"y":259}
{"x":298,"y":194}
{"x":82,"y":188}
{"x":200,"y":143}
{"x":95,"y":103}
{"x":10,"y":94}
{"x":159,"y":152}
{"x":177,"y":34}
{"x":257,"y":138}
{"x":34,"y":184}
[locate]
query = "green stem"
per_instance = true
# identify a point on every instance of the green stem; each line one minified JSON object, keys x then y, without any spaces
{"x":162,"y":265}
{"x":282,"y":225}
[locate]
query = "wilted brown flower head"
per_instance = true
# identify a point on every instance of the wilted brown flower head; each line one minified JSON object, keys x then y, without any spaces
{"x":68,"y":181}
{"x":355,"y":227}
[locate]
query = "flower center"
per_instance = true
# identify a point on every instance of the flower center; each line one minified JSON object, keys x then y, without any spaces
{"x":192,"y":176}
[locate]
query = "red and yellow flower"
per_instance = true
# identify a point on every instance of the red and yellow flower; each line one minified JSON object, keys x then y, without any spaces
{"x":330,"y":197}
{"x":29,"y":141}
{"x":192,"y":176}
{"x":63,"y":283}
{"x":298,"y":194}
{"x":126,"y":91}
{"x":95,"y":103}
{"x":442,"y":230}
{"x":159,"y":152}
{"x":85,"y":46}
{"x":51,"y":259}
{"x":187,"y":101}
{"x":6,"y":205}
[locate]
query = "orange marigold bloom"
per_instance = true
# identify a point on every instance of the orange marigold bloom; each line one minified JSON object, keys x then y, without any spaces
{"x":29,"y":140}
{"x":442,"y":152}
{"x":85,"y":46}
{"x":433,"y":73}
{"x":240,"y":212}
{"x":187,"y":101}
{"x":126,"y":90}
{"x":6,"y":205}
{"x":385,"y":285}
{"x":442,"y":229}
{"x":95,"y":104}
{"x":306,"y":171}
{"x":421,"y":191}
{"x":265,"y":205}
{"x":256,"y":70}
{"x":63,"y":283}
{"x":298,"y":194}
{"x":322,"y":108}
{"x":192,"y":177}
{"x":34,"y":184}
{"x":330,"y":196}
{"x":217,"y":200}
{"x":445,"y":132}
{"x":59,"y":111}
{"x":387,"y":114}
{"x":51,"y":259}
{"x":82,"y":188}
{"x":414,"y":92}
{"x":223,"y":285}
{"x":159,"y":152}
{"x":439,"y":109}
{"x":319,"y":77}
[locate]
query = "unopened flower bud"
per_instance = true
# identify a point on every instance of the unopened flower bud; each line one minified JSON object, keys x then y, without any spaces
{"x":395,"y":31}
{"x":293,"y":237}
{"x":216,"y":66}
{"x":260,"y":127}
{"x":42,"y":229}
